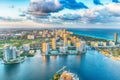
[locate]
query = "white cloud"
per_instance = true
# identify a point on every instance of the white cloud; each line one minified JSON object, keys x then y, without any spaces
{"x":108,"y":15}
{"x":43,"y":7}
{"x":102,"y":14}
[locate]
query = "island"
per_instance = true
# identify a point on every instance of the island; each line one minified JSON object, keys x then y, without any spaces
{"x":63,"y":74}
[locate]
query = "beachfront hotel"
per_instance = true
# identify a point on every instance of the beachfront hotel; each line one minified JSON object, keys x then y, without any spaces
{"x":116,"y":38}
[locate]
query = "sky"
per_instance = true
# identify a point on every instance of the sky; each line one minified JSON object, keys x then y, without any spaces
{"x":60,"y":13}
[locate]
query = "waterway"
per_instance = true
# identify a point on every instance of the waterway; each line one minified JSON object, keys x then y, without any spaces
{"x":90,"y":66}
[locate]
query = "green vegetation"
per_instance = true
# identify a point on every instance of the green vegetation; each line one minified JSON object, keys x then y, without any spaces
{"x":87,"y":38}
{"x":56,"y":76}
{"x":1,"y":54}
{"x":19,"y":42}
{"x":28,"y":55}
{"x":71,"y":48}
{"x":115,"y":51}
{"x":79,"y":52}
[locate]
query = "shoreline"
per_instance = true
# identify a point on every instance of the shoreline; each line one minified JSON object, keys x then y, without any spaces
{"x":14,"y":62}
{"x":60,"y":54}
{"x":90,"y":37}
{"x":107,"y":54}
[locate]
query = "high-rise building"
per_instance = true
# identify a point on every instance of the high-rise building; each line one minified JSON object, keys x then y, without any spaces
{"x":81,"y":46}
{"x":53,"y":43}
{"x":45,"y":48}
{"x":116,"y":38}
{"x":69,"y":43}
{"x":9,"y":52}
{"x":78,"y":46}
{"x":65,"y":39}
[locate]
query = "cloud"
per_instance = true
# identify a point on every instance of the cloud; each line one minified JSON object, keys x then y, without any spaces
{"x":63,"y":11}
{"x":105,"y":14}
{"x":70,"y":17}
{"x":97,"y":2}
{"x":29,"y":24}
{"x":22,"y":15}
{"x":45,"y":7}
{"x":10,"y":19}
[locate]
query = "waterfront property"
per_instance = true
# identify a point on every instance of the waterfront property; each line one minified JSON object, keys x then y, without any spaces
{"x":11,"y":55}
{"x":67,"y":41}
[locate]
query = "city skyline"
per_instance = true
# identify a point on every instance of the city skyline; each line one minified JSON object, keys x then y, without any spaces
{"x":60,"y":13}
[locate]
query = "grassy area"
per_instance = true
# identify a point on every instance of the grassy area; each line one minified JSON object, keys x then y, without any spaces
{"x":28,"y":55}
{"x":56,"y":76}
{"x":115,"y":51}
{"x":18,"y":43}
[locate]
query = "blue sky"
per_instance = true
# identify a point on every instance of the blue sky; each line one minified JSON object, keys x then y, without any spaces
{"x":11,"y":8}
{"x":60,"y":13}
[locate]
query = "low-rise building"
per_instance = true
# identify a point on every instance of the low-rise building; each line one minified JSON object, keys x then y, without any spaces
{"x":111,"y":43}
{"x":63,"y":49}
{"x":94,"y":44}
{"x":26,"y":47}
{"x":104,"y":43}
{"x":30,"y":37}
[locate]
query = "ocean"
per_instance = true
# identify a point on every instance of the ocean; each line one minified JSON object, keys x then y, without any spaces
{"x":107,"y":34}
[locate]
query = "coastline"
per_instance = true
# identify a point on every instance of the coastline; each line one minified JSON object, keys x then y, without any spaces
{"x":107,"y":54}
{"x":91,"y":32}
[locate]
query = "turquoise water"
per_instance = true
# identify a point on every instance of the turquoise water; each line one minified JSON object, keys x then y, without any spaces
{"x":107,"y":34}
